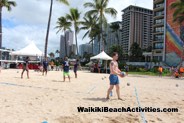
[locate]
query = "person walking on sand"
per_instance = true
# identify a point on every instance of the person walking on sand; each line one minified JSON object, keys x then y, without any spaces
{"x":114,"y":73}
{"x":52,"y":65}
{"x":76,"y":68}
{"x":126,"y":69}
{"x":45,"y":67}
{"x":25,"y":67}
{"x":66,"y":68}
{"x":57,"y":65}
{"x":160,"y":70}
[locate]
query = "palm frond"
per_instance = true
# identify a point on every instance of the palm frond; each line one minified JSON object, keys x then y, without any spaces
{"x":92,"y":13}
{"x":64,"y":1}
{"x":85,"y":34}
{"x":8,"y":4}
{"x":89,"y":4}
{"x":111,"y":11}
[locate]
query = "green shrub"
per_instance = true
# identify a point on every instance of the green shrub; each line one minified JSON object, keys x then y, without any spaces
{"x":141,"y":70}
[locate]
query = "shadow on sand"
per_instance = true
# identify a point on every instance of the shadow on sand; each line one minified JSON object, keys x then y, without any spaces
{"x":96,"y":99}
{"x":58,"y":81}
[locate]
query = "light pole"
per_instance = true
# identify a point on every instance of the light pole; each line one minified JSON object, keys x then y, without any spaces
{"x":182,"y":55}
{"x":0,"y":47}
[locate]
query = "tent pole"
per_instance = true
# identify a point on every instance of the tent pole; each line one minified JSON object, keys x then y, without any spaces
{"x":106,"y":66}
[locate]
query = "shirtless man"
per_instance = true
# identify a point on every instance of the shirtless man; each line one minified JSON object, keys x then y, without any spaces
{"x":114,"y":72}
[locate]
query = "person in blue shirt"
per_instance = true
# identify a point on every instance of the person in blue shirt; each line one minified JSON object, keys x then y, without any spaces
{"x":45,"y":67}
{"x":66,"y":68}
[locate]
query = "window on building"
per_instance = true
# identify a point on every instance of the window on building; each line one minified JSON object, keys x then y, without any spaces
{"x":159,"y":21}
{"x":159,"y":29}
{"x":159,"y":37}
{"x":159,"y":5}
{"x":158,"y":45}
{"x":159,"y":13}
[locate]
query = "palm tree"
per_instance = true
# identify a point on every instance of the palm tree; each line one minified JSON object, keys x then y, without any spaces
{"x":89,"y":24}
{"x":99,"y":9}
{"x":74,"y":17}
{"x":178,"y":15}
{"x":115,"y":29}
{"x":48,"y":26}
{"x":7,"y":4}
{"x":63,"y":25}
{"x":51,"y":55}
{"x":117,"y":48}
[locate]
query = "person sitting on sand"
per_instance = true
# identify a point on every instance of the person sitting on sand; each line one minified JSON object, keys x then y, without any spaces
{"x":66,"y":68}
{"x":45,"y":67}
{"x":25,"y":67}
{"x":114,"y":72}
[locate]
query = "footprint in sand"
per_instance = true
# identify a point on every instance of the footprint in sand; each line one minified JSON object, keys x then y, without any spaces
{"x":158,"y":97}
{"x":180,"y":114}
{"x":152,"y":121}
{"x":7,"y":106}
{"x":159,"y":119}
{"x":130,"y":114}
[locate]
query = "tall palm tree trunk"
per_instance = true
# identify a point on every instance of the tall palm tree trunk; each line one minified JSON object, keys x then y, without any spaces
{"x":99,"y":42}
{"x":76,"y":41}
{"x":0,"y":32}
{"x":66,"y":49}
{"x":48,"y":28}
{"x":101,"y":38}
{"x":92,"y":46}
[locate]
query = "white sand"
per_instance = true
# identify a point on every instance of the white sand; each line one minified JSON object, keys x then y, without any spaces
{"x":47,"y":98}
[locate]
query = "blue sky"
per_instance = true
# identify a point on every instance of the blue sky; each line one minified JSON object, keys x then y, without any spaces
{"x":28,"y":21}
{"x":6,"y":23}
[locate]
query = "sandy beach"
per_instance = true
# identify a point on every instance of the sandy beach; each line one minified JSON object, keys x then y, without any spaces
{"x":47,"y":98}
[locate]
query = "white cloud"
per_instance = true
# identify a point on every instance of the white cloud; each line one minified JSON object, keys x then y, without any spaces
{"x":30,"y":18}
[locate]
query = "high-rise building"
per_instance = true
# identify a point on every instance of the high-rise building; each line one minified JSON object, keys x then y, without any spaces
{"x":67,"y":42}
{"x":69,"y":37}
{"x":136,"y":27}
{"x":62,"y":47}
{"x":158,"y":30}
{"x":167,"y":35}
{"x":85,"y":48}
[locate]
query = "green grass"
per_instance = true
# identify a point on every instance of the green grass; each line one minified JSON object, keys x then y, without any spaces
{"x":148,"y":73}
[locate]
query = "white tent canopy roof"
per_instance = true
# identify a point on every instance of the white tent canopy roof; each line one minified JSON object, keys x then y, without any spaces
{"x":30,"y":50}
{"x":102,"y":56}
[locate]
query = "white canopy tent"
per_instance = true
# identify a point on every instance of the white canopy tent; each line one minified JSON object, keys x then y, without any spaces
{"x":30,"y":50}
{"x":102,"y":56}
